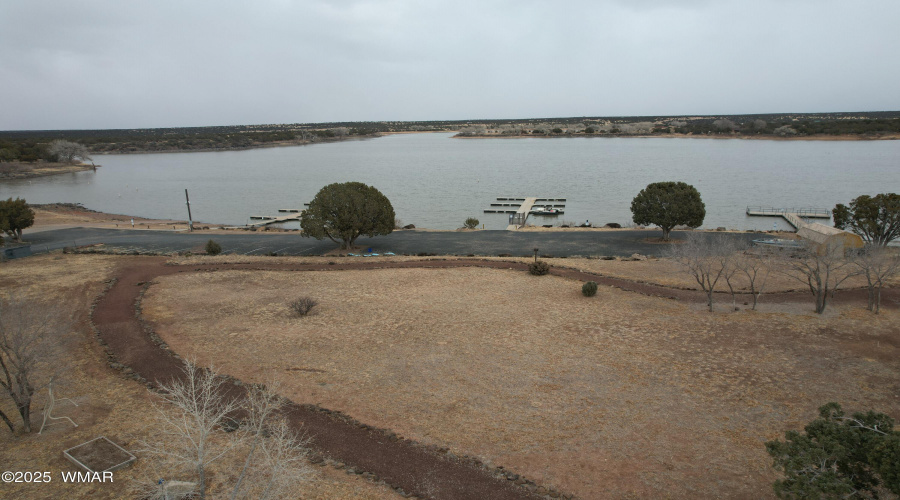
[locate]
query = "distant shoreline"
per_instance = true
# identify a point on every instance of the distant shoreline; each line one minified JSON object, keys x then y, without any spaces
{"x":24,"y":170}
{"x":844,"y":137}
{"x":279,"y":144}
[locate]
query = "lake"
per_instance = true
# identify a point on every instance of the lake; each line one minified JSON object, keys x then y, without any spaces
{"x":436,"y":182}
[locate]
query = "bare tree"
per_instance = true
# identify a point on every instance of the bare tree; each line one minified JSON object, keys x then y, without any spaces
{"x":276,"y":460}
{"x":878,"y":264}
{"x":197,"y":404}
{"x":285,"y":464}
{"x":756,"y":268}
{"x":730,"y":253}
{"x":68,"y":152}
{"x":31,"y":335}
{"x":706,"y":258}
{"x":260,"y":406}
{"x":820,"y":267}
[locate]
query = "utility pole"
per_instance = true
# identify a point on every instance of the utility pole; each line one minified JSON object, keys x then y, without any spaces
{"x":190,"y":221}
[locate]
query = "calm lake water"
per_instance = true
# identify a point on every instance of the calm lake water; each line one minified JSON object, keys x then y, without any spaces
{"x":435,"y":182}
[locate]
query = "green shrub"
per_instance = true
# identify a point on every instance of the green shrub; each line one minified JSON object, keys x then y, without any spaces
{"x":539,"y":268}
{"x":471,"y":223}
{"x":213,"y":248}
{"x":589,"y":289}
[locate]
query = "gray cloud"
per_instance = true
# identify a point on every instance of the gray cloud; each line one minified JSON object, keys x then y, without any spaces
{"x":104,"y":64}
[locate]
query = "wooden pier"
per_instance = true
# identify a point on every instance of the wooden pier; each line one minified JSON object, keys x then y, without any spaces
{"x":793,"y":216}
{"x":819,"y":234}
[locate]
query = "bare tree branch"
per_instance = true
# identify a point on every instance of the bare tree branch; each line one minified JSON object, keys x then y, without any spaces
{"x":31,"y":337}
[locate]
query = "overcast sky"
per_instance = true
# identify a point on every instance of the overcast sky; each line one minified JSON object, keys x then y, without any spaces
{"x":74,"y":64}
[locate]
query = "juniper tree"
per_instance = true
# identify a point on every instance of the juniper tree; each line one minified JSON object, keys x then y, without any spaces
{"x":668,"y":204}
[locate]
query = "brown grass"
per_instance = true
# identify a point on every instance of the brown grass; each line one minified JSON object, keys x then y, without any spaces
{"x":109,"y":404}
{"x":615,"y":395}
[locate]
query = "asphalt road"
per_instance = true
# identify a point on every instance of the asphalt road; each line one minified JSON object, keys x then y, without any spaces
{"x":481,"y":243}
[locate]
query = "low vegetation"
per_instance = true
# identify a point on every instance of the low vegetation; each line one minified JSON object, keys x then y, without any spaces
{"x":539,"y":268}
{"x":589,"y":289}
{"x":471,"y":223}
{"x":213,"y":248}
{"x":839,"y":456}
{"x":303,"y":306}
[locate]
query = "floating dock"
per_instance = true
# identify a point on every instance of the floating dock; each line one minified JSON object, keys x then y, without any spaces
{"x":265,"y":220}
{"x":520,"y":208}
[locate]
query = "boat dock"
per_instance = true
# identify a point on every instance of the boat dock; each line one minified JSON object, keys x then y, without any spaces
{"x":515,"y":204}
{"x":265,"y":220}
{"x":817,"y":233}
{"x":520,"y":208}
{"x":793,"y":216}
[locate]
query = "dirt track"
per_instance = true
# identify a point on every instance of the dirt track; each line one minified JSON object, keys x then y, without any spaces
{"x":402,"y":464}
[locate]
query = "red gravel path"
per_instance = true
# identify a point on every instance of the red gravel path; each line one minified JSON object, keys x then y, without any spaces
{"x":402,"y":464}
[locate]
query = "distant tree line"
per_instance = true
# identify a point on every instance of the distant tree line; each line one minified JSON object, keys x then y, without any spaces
{"x":29,"y":145}
{"x":36,"y":146}
{"x":784,"y":126}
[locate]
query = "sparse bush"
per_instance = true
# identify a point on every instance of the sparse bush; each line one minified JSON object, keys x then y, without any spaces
{"x":303,"y":305}
{"x":589,"y":289}
{"x":213,"y":248}
{"x":539,"y":268}
{"x":471,"y":223}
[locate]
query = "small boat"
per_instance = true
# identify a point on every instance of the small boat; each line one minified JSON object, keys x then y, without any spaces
{"x":546,"y":211}
{"x":779,"y":243}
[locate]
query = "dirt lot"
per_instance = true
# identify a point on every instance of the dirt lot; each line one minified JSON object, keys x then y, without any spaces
{"x":109,"y":404}
{"x":616,"y":395}
{"x":62,"y":215}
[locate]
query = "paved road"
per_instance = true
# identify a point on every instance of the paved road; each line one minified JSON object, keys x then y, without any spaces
{"x":560,"y":243}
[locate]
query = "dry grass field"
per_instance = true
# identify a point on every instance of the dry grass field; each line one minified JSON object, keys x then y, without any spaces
{"x":109,"y":404}
{"x":612,"y":396}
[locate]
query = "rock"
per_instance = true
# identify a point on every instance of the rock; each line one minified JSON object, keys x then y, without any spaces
{"x":409,"y":226}
{"x":721,"y":228}
{"x":614,"y":225}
